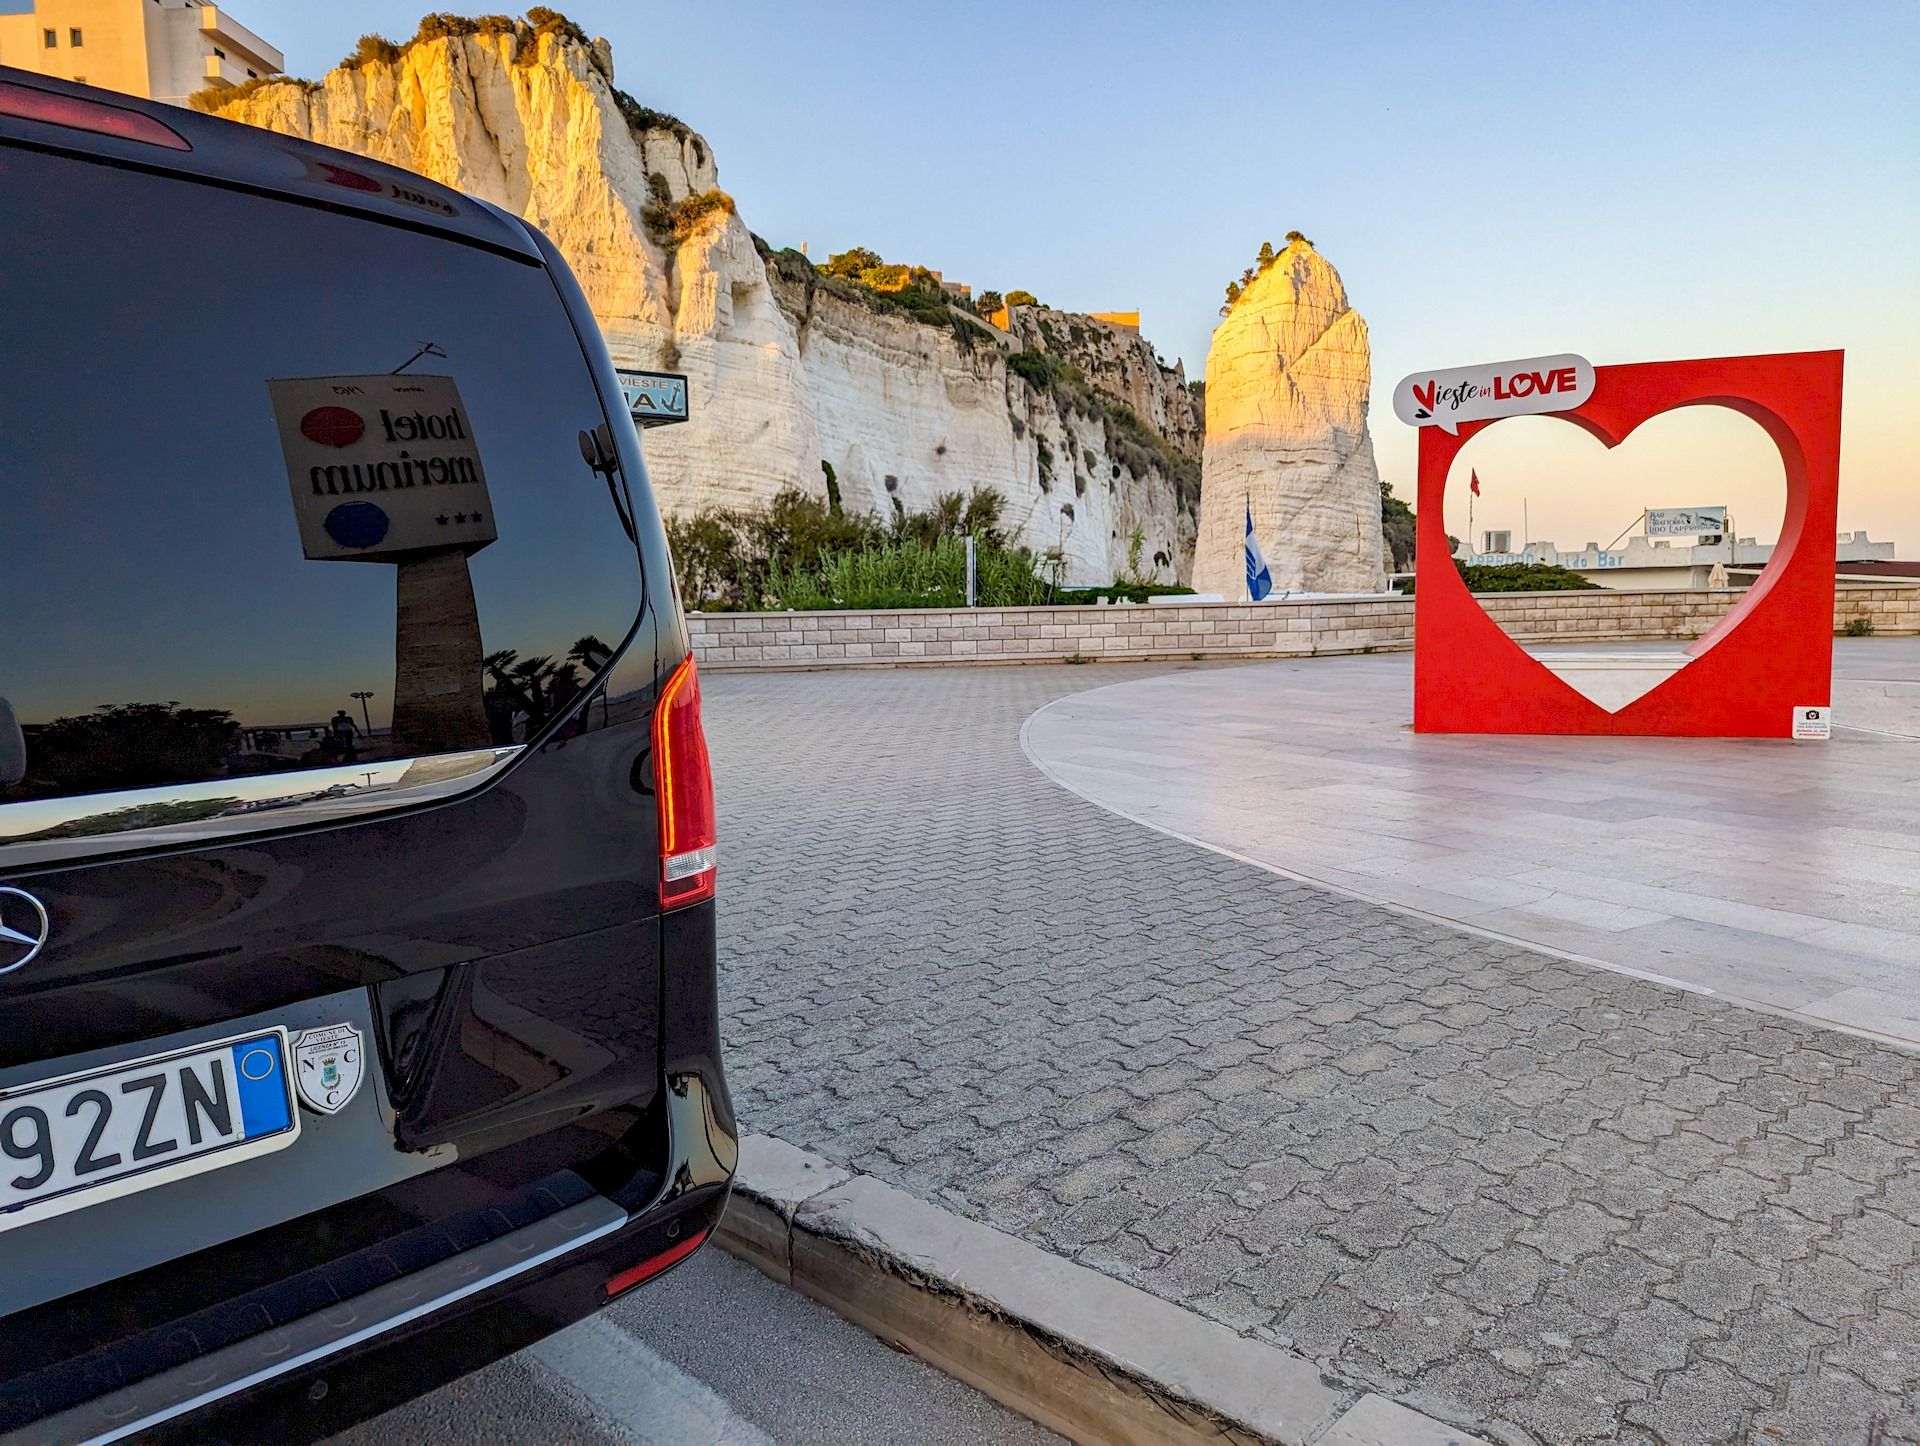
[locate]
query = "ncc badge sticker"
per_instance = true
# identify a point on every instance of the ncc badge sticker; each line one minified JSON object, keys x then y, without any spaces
{"x":327,"y":1063}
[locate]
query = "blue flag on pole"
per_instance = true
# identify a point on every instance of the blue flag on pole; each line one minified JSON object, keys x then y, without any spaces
{"x":1259,"y":580}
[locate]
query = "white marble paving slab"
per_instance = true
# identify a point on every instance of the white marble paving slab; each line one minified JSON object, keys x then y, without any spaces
{"x":1784,"y":875}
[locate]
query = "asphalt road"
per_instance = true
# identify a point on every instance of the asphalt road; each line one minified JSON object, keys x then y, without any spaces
{"x":714,"y":1354}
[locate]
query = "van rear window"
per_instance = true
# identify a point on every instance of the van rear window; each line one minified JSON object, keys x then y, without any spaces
{"x":284,"y":488}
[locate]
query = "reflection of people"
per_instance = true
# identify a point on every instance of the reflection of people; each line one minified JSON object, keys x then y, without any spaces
{"x":499,"y":706}
{"x":342,"y":731}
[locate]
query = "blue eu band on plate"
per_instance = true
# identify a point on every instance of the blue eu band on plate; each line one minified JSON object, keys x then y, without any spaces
{"x":78,"y":1139}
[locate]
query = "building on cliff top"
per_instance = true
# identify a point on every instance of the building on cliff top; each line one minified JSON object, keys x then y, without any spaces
{"x":162,"y":49}
{"x":1125,"y":320}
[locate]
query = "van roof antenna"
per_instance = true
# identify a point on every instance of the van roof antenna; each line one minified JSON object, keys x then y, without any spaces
{"x":427,"y":348}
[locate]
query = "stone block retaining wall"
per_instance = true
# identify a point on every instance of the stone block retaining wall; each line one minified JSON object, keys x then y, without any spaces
{"x":729,"y":641}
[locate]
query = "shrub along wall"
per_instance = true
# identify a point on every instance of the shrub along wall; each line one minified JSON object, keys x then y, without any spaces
{"x":726,"y":641}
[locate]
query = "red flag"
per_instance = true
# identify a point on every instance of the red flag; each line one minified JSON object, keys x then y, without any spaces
{"x":1474,"y":482}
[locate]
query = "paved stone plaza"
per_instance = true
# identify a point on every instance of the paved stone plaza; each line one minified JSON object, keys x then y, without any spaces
{"x":1541,"y":1200}
{"x":1778,"y":873}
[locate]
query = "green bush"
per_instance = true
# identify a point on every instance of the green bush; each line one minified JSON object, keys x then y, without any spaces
{"x":1036,"y":368}
{"x":1859,"y":627}
{"x":722,"y":556}
{"x":851,"y":264}
{"x":1399,"y":525}
{"x":1022,"y":298}
{"x":372,"y":49}
{"x":1137,"y":592}
{"x":1516,"y":577}
{"x":544,"y":19}
{"x":216,"y":98}
{"x":640,"y":119}
{"x":905,"y":572}
{"x":673,"y":225}
{"x":445,"y":25}
{"x":805,"y":554}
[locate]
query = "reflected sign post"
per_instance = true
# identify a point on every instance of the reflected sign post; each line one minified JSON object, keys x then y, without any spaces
{"x":385,"y":468}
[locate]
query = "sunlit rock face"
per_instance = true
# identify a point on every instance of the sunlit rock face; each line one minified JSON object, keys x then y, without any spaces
{"x":1286,"y":433}
{"x":782,"y":374}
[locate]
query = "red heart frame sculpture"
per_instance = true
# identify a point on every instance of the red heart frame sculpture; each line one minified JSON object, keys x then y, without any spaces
{"x":1771,"y":654}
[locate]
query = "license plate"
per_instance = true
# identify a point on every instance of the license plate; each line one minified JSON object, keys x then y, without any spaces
{"x":79,"y":1139}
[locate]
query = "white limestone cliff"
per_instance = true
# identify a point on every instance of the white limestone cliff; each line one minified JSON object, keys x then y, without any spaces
{"x":1286,"y":432}
{"x":782,"y":374}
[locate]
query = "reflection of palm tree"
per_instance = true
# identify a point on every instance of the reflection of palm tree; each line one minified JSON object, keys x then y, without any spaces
{"x":530,"y":677}
{"x":593,"y":655}
{"x":590,"y":653}
{"x":538,"y":687}
{"x":505,"y":696}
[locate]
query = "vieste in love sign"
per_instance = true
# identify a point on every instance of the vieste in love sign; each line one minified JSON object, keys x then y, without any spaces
{"x":1445,"y":399}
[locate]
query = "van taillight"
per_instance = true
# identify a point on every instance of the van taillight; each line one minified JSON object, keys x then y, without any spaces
{"x":81,"y":114}
{"x":683,"y":784}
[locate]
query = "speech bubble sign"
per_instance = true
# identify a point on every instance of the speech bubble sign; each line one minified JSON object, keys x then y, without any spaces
{"x":1529,"y":386}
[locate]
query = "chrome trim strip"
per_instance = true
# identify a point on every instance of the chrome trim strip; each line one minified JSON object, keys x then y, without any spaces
{"x":172,"y":1393}
{"x":80,"y":826}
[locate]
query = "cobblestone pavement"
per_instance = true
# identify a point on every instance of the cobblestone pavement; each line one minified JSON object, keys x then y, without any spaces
{"x":1542,"y":1201}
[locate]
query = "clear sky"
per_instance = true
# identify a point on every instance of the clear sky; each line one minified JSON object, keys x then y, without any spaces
{"x":1627,"y":181}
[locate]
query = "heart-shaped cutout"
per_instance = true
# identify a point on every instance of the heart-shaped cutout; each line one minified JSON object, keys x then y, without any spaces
{"x":1753,"y":671}
{"x":1553,"y":492}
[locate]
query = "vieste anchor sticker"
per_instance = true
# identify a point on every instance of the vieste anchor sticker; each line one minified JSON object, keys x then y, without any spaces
{"x":328,"y":1064}
{"x":1527,"y":387}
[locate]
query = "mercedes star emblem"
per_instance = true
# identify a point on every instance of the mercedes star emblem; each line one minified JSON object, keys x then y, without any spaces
{"x":23,"y":928}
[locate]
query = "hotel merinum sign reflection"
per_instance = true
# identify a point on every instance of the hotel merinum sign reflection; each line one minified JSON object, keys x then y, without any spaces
{"x":381,"y":465}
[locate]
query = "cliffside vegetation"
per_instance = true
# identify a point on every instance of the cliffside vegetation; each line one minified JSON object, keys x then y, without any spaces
{"x":643,"y":118}
{"x":806,"y":554}
{"x":1266,"y":258}
{"x":670,"y":222}
{"x":860,"y":276}
{"x":216,"y":98}
{"x":374,"y":49}
{"x":444,"y":25}
{"x":1130,"y":441}
{"x":1397,"y":524}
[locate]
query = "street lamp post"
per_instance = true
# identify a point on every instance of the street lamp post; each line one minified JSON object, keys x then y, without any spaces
{"x":363,"y":711}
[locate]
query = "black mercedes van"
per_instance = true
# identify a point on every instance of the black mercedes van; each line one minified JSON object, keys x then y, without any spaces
{"x":357,"y":1003}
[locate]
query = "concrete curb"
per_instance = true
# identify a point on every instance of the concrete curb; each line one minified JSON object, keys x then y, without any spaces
{"x":1084,"y":1354}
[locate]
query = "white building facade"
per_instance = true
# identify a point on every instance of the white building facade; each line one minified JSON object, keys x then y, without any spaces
{"x":162,"y":49}
{"x":1656,"y":563}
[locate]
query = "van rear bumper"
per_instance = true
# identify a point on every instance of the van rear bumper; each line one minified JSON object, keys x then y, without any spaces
{"x":340,"y":1364}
